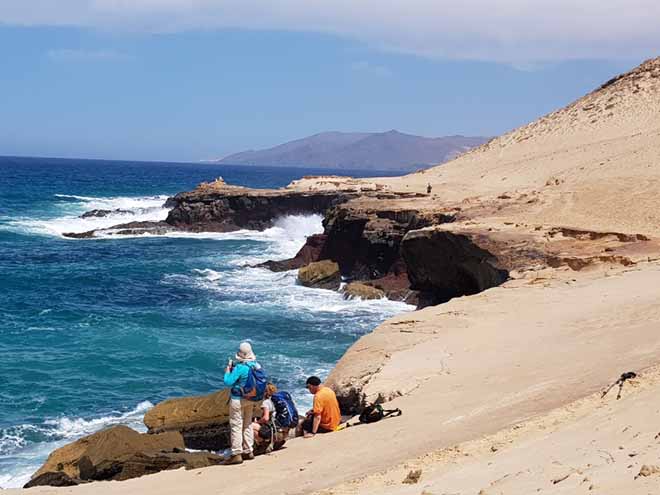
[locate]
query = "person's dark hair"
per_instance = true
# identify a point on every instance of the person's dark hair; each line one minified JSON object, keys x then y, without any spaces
{"x":313,"y":380}
{"x":265,"y":432}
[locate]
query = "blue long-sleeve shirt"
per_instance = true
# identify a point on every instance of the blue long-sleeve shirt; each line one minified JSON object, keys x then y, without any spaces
{"x":237,"y":378}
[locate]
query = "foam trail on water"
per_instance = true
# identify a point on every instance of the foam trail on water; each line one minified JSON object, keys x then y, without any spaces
{"x":70,"y":208}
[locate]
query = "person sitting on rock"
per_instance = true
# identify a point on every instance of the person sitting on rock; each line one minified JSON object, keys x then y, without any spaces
{"x":324,"y":416}
{"x":244,"y":403}
{"x":280,"y":414}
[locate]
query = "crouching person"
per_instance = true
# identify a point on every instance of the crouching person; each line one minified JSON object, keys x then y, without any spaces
{"x":279,"y":415}
{"x":324,"y":416}
{"x":247,"y":381}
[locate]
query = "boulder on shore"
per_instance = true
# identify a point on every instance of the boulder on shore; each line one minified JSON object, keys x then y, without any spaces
{"x":118,"y":453}
{"x":202,"y":420}
{"x":322,"y":274}
{"x":362,"y":291}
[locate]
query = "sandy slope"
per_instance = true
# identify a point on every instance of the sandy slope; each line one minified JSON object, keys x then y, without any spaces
{"x":594,"y":445}
{"x":479,"y":365}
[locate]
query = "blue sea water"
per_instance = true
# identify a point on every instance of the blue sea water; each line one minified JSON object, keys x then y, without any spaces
{"x":94,"y":332}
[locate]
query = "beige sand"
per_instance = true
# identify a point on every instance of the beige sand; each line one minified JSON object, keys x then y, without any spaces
{"x":479,"y":365}
{"x":591,"y":446}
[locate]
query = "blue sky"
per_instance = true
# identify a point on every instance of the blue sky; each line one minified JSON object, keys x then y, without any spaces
{"x":84,"y":88}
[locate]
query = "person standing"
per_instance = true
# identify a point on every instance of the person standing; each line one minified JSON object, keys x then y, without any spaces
{"x":244,"y":404}
{"x":324,"y":416}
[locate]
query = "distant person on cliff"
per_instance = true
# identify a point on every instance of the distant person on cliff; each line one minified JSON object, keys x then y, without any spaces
{"x":324,"y":416}
{"x":428,"y":188}
{"x":247,"y":381}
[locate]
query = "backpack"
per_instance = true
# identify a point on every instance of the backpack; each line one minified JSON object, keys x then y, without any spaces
{"x":255,"y":385}
{"x":375,"y":412}
{"x":286,"y":414}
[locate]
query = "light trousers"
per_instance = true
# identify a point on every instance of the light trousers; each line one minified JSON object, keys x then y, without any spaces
{"x":241,"y":414}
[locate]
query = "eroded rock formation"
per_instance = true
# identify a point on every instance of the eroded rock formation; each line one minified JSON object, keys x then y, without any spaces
{"x":442,"y":265}
{"x":201,"y":420}
{"x":118,"y":453}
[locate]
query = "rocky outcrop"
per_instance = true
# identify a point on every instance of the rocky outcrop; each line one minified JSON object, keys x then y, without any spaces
{"x":130,"y":228}
{"x":365,"y":243}
{"x":201,"y":420}
{"x":321,"y":275}
{"x":442,"y":264}
{"x":358,"y":290}
{"x":218,"y":207}
{"x":229,"y":208}
{"x":105,"y":213}
{"x":118,"y":453}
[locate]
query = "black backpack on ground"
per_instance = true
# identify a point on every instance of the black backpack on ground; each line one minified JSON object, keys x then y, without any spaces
{"x":375,"y":412}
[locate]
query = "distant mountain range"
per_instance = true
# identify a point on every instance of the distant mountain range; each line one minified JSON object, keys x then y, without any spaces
{"x":390,"y":150}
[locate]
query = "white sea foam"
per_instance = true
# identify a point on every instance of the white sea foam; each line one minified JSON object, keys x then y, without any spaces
{"x":77,"y":427}
{"x":209,"y":274}
{"x":284,"y":238}
{"x":134,"y":209}
{"x":259,"y":289}
{"x":27,"y":457}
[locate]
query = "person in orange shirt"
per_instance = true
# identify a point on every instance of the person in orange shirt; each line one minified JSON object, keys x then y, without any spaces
{"x":325,"y":415}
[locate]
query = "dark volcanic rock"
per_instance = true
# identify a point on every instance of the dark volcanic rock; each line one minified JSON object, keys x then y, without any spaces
{"x":212,"y":436}
{"x":309,"y":253}
{"x":442,"y":265}
{"x":366,"y":243}
{"x":105,"y":213}
{"x":130,"y":228}
{"x":227,"y":209}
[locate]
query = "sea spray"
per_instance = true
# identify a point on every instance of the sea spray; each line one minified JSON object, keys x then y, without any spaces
{"x":67,"y":215}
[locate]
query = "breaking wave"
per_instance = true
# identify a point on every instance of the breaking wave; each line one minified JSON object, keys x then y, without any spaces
{"x":68,"y":209}
{"x":27,"y":445}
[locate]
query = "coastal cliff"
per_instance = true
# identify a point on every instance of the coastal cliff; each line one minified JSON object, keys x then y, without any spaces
{"x":545,"y":246}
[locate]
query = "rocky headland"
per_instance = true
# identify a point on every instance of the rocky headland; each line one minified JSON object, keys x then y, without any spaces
{"x":534,"y":262}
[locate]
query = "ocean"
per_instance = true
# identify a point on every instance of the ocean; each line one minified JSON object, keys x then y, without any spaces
{"x":94,"y":332}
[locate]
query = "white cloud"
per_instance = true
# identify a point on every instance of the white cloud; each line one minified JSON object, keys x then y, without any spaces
{"x":512,"y":31}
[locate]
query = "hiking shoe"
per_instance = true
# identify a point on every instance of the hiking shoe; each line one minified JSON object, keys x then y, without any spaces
{"x":248,"y":457}
{"x":235,"y":459}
